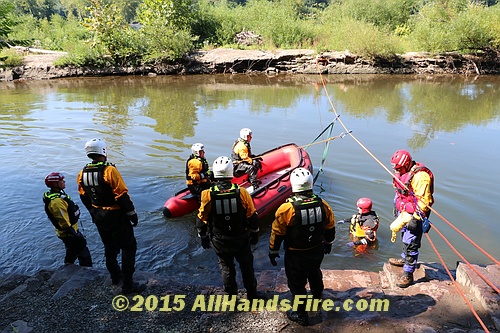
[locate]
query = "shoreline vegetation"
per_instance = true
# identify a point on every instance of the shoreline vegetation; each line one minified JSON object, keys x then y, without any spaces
{"x":233,"y":61}
{"x":148,"y":37}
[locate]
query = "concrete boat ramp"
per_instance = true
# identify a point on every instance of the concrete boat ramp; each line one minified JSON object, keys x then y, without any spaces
{"x":76,"y":299}
{"x":432,"y":303}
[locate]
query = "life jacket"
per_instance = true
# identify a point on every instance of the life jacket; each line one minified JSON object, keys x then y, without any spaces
{"x":308,"y":227}
{"x":73,"y":210}
{"x":100,"y":192}
{"x":228,"y":216}
{"x":234,"y":155}
{"x":204,"y":169}
{"x":359,"y":228}
{"x":406,"y":197}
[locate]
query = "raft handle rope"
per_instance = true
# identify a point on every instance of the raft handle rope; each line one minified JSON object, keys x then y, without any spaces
{"x":433,"y":210}
{"x":327,"y":145}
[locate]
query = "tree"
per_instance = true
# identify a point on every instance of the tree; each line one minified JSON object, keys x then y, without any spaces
{"x":39,"y":8}
{"x":112,"y":33}
{"x":6,"y":18}
{"x":173,"y":13}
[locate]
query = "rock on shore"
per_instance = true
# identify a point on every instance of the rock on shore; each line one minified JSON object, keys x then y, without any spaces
{"x":299,"y":61}
{"x":75,"y":299}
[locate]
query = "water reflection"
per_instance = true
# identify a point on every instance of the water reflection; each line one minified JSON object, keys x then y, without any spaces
{"x":443,"y":104}
{"x":150,"y":124}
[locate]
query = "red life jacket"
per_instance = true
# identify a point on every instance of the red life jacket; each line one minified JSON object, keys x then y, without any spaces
{"x":405,"y":199}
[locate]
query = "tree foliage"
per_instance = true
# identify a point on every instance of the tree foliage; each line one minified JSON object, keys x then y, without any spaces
{"x":111,"y":33}
{"x":39,"y":8}
{"x":173,"y":13}
{"x":170,"y":28}
{"x":6,"y":18}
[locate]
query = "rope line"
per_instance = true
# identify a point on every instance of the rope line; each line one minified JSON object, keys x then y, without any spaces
{"x":457,"y":286}
{"x":466,"y":237}
{"x":393,"y":176}
{"x":433,"y":210}
{"x":467,"y":262}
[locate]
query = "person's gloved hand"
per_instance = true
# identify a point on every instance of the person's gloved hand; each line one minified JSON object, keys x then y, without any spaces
{"x":272,"y":258}
{"x":254,"y":238}
{"x":426,"y":225}
{"x":205,"y":242}
{"x":412,"y":225}
{"x":70,"y":231}
{"x":350,"y":244}
{"x":400,"y":221}
{"x":133,"y":218}
{"x":327,"y":248}
{"x":77,"y":211}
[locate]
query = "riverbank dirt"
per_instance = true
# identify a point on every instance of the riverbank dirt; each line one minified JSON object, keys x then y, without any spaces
{"x":300,"y":61}
{"x":75,"y":299}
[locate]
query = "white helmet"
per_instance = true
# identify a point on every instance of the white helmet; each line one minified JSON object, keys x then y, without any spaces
{"x":223,"y":167}
{"x":96,"y":146}
{"x":196,"y":148}
{"x":245,"y":132}
{"x":301,"y":179}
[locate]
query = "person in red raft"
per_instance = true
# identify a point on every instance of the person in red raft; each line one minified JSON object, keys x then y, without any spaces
{"x":414,"y":186}
{"x":243,"y":159}
{"x":198,"y":175}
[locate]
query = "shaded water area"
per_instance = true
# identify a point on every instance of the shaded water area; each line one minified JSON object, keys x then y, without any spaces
{"x":449,"y":123}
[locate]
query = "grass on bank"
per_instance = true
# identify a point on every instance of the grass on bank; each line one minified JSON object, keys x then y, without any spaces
{"x":171,"y":28}
{"x":10,"y":58}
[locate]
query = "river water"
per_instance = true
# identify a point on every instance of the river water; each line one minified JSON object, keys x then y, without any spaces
{"x":449,"y":123}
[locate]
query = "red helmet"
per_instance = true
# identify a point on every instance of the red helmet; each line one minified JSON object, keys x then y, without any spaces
{"x":401,"y":160}
{"x":53,"y":178}
{"x":365,"y":204}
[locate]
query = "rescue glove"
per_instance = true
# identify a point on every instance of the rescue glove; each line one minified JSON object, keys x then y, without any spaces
{"x":426,"y":225}
{"x":327,"y":248}
{"x":70,"y":231}
{"x":205,"y":242}
{"x":254,"y":238}
{"x":133,"y":218}
{"x":272,"y":258}
{"x":350,"y":244}
{"x":77,"y":212}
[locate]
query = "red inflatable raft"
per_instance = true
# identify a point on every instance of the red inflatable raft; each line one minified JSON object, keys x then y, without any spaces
{"x":277,"y":164}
